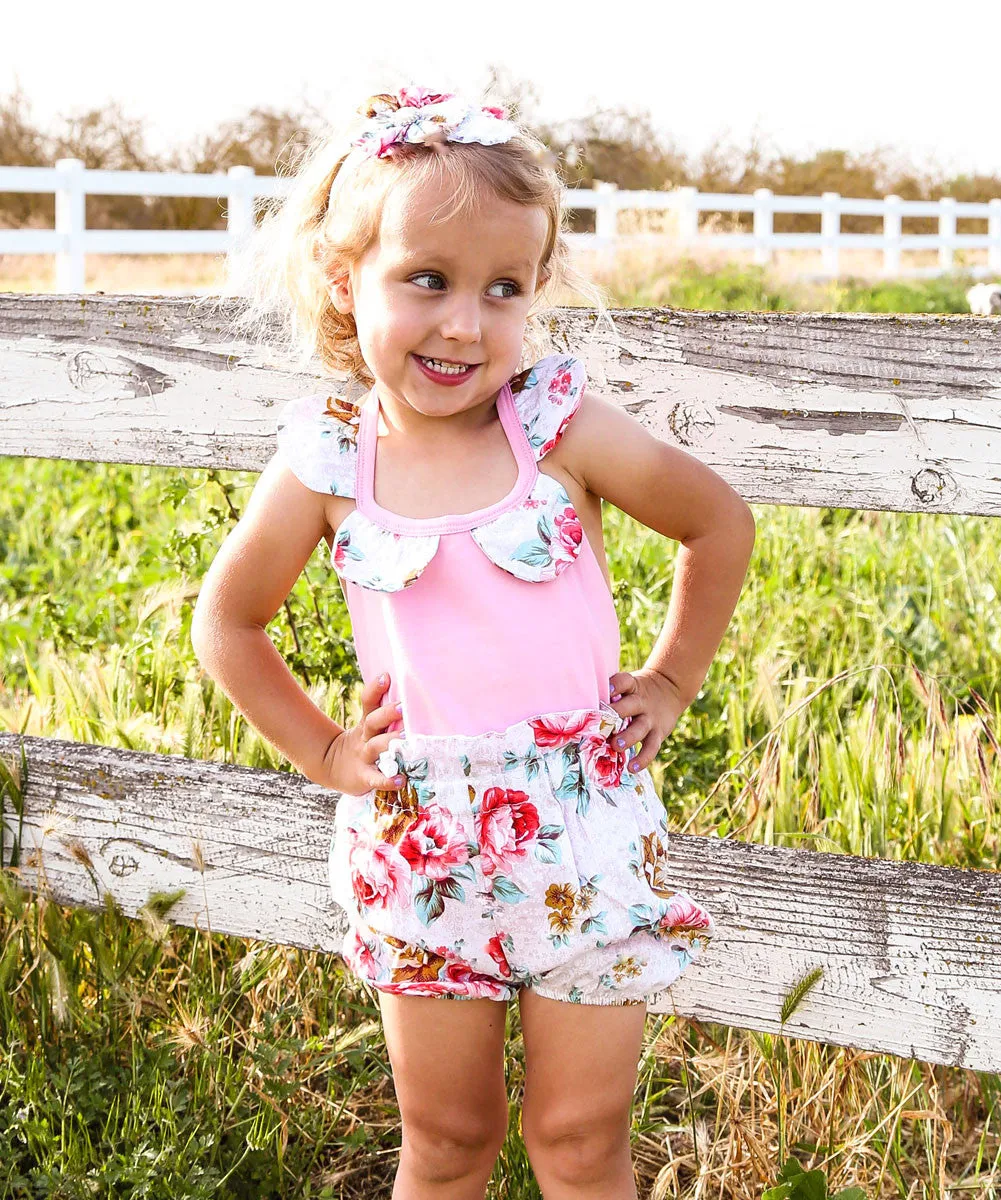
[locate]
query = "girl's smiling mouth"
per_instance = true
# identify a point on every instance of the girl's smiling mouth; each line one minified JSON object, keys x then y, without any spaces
{"x":445,"y":372}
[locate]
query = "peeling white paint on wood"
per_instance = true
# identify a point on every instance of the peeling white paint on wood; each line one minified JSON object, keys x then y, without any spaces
{"x":845,"y":410}
{"x":909,"y":951}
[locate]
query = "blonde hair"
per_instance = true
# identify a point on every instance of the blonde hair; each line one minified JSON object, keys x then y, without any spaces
{"x":331,"y":213}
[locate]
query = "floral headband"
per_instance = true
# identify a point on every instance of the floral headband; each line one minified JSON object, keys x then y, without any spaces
{"x":417,"y":115}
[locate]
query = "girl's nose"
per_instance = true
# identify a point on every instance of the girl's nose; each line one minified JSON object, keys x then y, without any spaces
{"x":461,"y":323}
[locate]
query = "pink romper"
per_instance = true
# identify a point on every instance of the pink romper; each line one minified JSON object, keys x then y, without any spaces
{"x":521,"y":851}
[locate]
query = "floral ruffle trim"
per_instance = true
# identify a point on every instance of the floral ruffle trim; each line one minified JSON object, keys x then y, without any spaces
{"x":372,"y":557}
{"x":546,"y":396}
{"x":318,"y":439}
{"x":535,"y":541}
{"x":539,"y":538}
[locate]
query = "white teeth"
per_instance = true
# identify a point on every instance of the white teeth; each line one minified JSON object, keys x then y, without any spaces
{"x":444,"y":368}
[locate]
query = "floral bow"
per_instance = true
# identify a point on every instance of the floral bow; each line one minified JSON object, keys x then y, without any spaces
{"x":417,"y":115}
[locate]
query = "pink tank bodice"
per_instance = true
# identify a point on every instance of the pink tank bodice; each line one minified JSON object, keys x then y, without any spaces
{"x":486,"y":618}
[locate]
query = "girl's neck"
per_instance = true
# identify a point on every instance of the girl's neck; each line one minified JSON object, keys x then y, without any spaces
{"x":400,"y":419}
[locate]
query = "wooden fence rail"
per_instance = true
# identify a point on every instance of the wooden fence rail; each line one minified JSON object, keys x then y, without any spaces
{"x":862,"y":411}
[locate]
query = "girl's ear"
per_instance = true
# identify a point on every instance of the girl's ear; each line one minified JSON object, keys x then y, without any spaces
{"x":341,"y":294}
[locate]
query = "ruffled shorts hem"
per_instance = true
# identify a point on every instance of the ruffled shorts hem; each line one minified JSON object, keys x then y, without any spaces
{"x":552,"y":995}
{"x":502,"y":994}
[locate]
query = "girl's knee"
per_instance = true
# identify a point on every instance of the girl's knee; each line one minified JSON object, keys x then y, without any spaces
{"x":449,"y":1144}
{"x":575,"y":1147}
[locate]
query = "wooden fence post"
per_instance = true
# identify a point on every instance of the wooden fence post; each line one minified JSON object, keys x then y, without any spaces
{"x":892,"y":226}
{"x":946,"y":232}
{"x":687,"y":208}
{"x":606,"y":213}
{"x":830,"y":230}
{"x":994,"y":234}
{"x":763,"y":225}
{"x":239,"y":206}
{"x":71,"y":221}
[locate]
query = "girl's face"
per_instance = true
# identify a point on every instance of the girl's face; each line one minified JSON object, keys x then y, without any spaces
{"x":455,"y":291}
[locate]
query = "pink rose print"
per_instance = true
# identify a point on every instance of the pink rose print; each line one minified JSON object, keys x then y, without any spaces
{"x":559,"y":384}
{"x":496,"y":952}
{"x":359,"y":954}
{"x":684,"y":917}
{"x":419,"y":96}
{"x":434,"y":844}
{"x":506,"y":825}
{"x":342,"y":544}
{"x":379,"y":875}
{"x":458,"y":971}
{"x":556,"y":436}
{"x":481,"y":989}
{"x":387,"y":143}
{"x":423,"y":971}
{"x":569,"y":530}
{"x":603,"y":762}
{"x":552,"y":731}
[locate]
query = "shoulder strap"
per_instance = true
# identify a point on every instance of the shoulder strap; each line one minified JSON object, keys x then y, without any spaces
{"x":318,"y":441}
{"x":546,"y":396}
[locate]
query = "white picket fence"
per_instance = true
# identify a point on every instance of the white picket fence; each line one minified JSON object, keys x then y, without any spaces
{"x":71,"y":240}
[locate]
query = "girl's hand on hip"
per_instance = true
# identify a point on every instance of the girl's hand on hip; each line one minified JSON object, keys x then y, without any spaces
{"x":654,"y":705}
{"x":353,"y":753}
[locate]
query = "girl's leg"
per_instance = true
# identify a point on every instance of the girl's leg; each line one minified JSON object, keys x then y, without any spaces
{"x":580,"y":1076}
{"x":448,"y":1070}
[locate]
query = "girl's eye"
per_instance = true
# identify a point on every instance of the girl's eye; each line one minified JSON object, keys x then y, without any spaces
{"x":434,"y":287}
{"x":427,"y":275}
{"x":507,"y":283}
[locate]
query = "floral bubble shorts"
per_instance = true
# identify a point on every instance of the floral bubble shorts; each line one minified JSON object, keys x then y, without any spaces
{"x":525,"y":857}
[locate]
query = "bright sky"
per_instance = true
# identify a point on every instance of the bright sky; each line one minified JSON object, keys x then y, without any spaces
{"x":857,"y":75}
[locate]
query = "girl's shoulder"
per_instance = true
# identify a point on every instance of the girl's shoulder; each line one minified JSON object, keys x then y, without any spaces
{"x":318,"y":440}
{"x":318,"y":433}
{"x":546,"y":396}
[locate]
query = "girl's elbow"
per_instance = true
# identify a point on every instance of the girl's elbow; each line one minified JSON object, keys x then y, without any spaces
{"x":744,"y":518}
{"x":204,"y":631}
{"x":200,"y":641}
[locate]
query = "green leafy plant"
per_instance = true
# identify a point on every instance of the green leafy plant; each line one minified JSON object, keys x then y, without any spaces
{"x":797,"y":1184}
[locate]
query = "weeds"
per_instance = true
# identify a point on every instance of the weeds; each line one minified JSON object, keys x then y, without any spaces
{"x":854,"y":706}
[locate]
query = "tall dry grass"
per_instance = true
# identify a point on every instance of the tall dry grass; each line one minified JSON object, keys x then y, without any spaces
{"x":186,"y":1066}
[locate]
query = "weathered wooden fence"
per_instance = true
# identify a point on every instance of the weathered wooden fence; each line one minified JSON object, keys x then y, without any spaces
{"x":879,"y":412}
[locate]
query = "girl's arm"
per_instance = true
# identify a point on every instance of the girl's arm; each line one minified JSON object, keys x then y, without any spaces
{"x":243,"y":589}
{"x":611,"y":454}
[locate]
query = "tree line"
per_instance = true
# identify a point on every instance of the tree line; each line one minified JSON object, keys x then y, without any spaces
{"x":614,"y":144}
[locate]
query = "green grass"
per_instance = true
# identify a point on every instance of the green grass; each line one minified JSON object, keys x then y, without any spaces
{"x":639,"y":280}
{"x":850,"y":708}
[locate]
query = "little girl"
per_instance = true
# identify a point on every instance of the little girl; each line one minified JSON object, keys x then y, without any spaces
{"x":497,"y":832}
